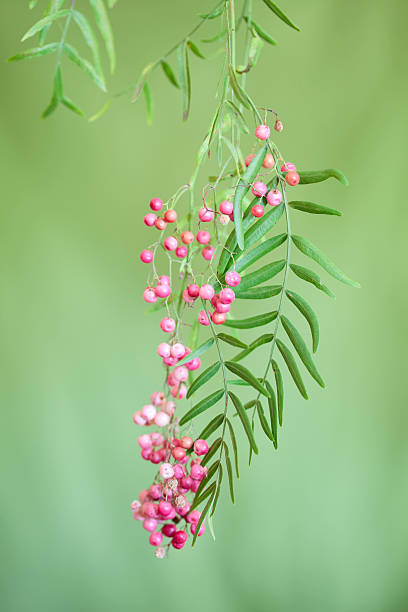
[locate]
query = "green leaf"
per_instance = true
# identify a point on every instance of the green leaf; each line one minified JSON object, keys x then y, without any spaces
{"x":234,"y":446}
{"x":103,"y":23}
{"x":311,"y":277}
{"x":315,"y":209}
{"x":142,"y":80}
{"x":53,"y":6}
{"x":199,"y":351}
{"x":193,"y":47}
{"x":84,"y":65}
{"x":218,"y":36}
{"x":91,"y":41}
{"x":264,"y":339}
{"x":199,"y":500}
{"x":248,"y":258}
{"x":202,"y":517}
{"x":239,"y":117}
{"x":239,"y":92}
{"x":203,"y":378}
{"x":229,"y":472}
{"x":292,"y":367}
{"x":149,"y":102}
{"x":238,"y":383}
{"x":244,"y":184}
{"x":264,"y":35}
{"x":168,"y":71}
{"x":273,"y":414}
{"x":212,"y":426}
{"x":58,"y":88}
{"x":310,"y":250}
{"x":50,"y":108}
{"x":73,"y":107}
{"x":260,"y":276}
{"x":309,"y":315}
{"x":302,"y":350}
{"x":213,"y":14}
{"x":242,"y":372}
{"x":263,"y":225}
{"x":231,"y":340}
{"x":34,"y":52}
{"x":211,"y":472}
{"x":279,"y":389}
{"x":213,"y":449}
{"x":279,"y":13}
{"x":32,"y":4}
{"x":317,"y":176}
{"x":244,"y":420}
{"x":257,"y":321}
{"x":218,"y":490}
{"x":100,"y":112}
{"x":259,"y":293}
{"x":42,"y":23}
{"x":205,"y":404}
{"x":184,"y":77}
{"x":263,"y":421}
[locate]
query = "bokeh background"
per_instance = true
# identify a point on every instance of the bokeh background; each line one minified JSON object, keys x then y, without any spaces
{"x":321,"y":525}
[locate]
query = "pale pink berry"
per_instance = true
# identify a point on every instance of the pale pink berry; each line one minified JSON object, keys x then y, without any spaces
{"x":203,"y":237}
{"x":164,"y":349}
{"x":227,"y":295}
{"x":193,"y":517}
{"x":201,"y":447}
{"x":218,"y":318}
{"x":224,"y":219}
{"x":149,"y":295}
{"x":208,"y":253}
{"x":179,"y":471}
{"x":206,"y":214}
{"x":144,"y":495}
{"x":181,"y":374}
{"x":168,"y":325}
{"x":166,"y":471}
{"x":274,"y":197}
{"x":186,"y":442}
{"x":164,"y":279}
{"x":156,"y":538}
{"x":171,"y":379}
{"x":262,"y":132}
{"x":223,"y":308}
{"x":203,"y":318}
{"x":269,"y":161}
{"x":160,"y":552}
{"x":287,"y":166}
{"x":157,"y":398}
{"x":187,"y":237}
{"x":144,"y":441}
{"x":170,"y":408}
{"x":178,"y":350}
{"x":170,"y":243}
{"x":138,"y":418}
{"x":193,"y":290}
{"x":170,"y":216}
{"x":197,"y":472}
{"x":292,"y":178}
{"x":181,"y":252}
{"x":156,"y":438}
{"x":259,"y":189}
{"x":162,"y":419}
{"x":135,"y":505}
{"x":156,"y":204}
{"x":206,"y":292}
{"x":187,"y":298}
{"x":150,"y":524}
{"x":232,"y":278}
{"x":150,"y":219}
{"x":249,"y":158}
{"x":146,"y":256}
{"x":156,"y":491}
{"x":194,"y":364}
{"x":182,"y":392}
{"x":163,"y":290}
{"x":170,"y":361}
{"x":257,"y":210}
{"x":178,"y":453}
{"x":193,"y":528}
{"x":148,"y":412}
{"x":226,"y":207}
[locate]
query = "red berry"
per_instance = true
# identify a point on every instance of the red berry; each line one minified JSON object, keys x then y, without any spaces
{"x":170,"y":216}
{"x":156,"y":204}
{"x":187,"y":237}
{"x":258,"y":210}
{"x":292,"y":178}
{"x":160,"y":223}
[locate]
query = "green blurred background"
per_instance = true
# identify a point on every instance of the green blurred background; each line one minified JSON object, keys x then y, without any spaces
{"x":321,"y":525}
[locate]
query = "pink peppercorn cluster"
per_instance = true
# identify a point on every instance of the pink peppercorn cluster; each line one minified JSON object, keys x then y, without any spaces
{"x":164,"y":509}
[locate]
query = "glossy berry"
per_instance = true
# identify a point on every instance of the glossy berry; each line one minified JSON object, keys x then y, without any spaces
{"x":287,"y":166}
{"x":206,"y":292}
{"x":180,"y":536}
{"x":262,"y":132}
{"x":166,"y":471}
{"x":193,"y":517}
{"x":193,"y":290}
{"x":168,"y":325}
{"x":197,"y":472}
{"x":164,"y":349}
{"x":181,"y":252}
{"x":232,"y":278}
{"x":146,"y":256}
{"x":292,"y":178}
{"x":226,"y":207}
{"x":218,"y":318}
{"x":162,"y":419}
{"x":150,"y":524}
{"x":178,"y":350}
{"x":206,"y":214}
{"x":150,"y":219}
{"x":201,"y":447}
{"x":149,"y":295}
{"x":156,"y":204}
{"x":170,"y":216}
{"x":169,"y":530}
{"x":249,"y":158}
{"x":187,"y":237}
{"x":156,"y":538}
{"x":258,"y":210}
{"x":160,"y":224}
{"x":269,"y":161}
{"x":223,"y":308}
{"x":164,"y":279}
{"x":170,"y":243}
{"x":178,"y":453}
{"x":186,"y":442}
{"x":227,"y":296}
{"x":163,"y":290}
{"x":193,"y":528}
{"x":274,"y":197}
{"x":194,"y":364}
{"x":203,"y":237}
{"x":208,"y":253}
{"x":259,"y":189}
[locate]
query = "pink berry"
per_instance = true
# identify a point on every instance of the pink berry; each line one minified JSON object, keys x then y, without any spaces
{"x":197,"y":472}
{"x":170,"y":216}
{"x":186,"y":482}
{"x":227,"y":295}
{"x":223,"y":308}
{"x":288,"y":166}
{"x":187,"y":237}
{"x":248,"y":160}
{"x":262,"y":132}
{"x":160,"y":224}
{"x":155,"y":457}
{"x":169,"y":530}
{"x":157,"y":398}
{"x":194,"y":364}
{"x":226,"y":207}
{"x":170,"y":243}
{"x":146,"y":256}
{"x":180,"y":374}
{"x":187,"y":298}
{"x":181,"y":252}
{"x":156,"y":538}
{"x":203,"y":318}
{"x":232,"y":278}
{"x":165,"y":508}
{"x":156,"y":491}
{"x":156,"y":438}
{"x":148,"y":412}
{"x":162,"y":419}
{"x":178,"y":453}
{"x":193,"y":290}
{"x":164,"y":349}
{"x":166,"y":471}
{"x":146,"y":453}
{"x":208,"y":253}
{"x":274,"y":197}
{"x":206,"y":214}
{"x":138,"y":418}
{"x":178,"y":350}
{"x":269,"y":161}
{"x":186,"y":442}
{"x":224,"y":219}
{"x":163,"y":290}
{"x":206,"y":292}
{"x":144,"y":441}
{"x":218,"y":318}
{"x":292,"y":178}
{"x":180,"y":536}
{"x":179,"y":471}
{"x":156,"y":204}
{"x":193,"y":517}
{"x":195,"y":485}
{"x":164,"y":279}
{"x":193,"y":528}
{"x":149,"y":524}
{"x":149,"y":295}
{"x":259,"y":189}
{"x":150,"y":219}
{"x":170,"y":361}
{"x":258,"y":210}
{"x":203,"y":237}
{"x":168,"y":325}
{"x":201,"y":447}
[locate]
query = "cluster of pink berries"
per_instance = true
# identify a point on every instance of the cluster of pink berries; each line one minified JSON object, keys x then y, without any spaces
{"x":164,"y":505}
{"x":171,"y":355}
{"x":221,"y":302}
